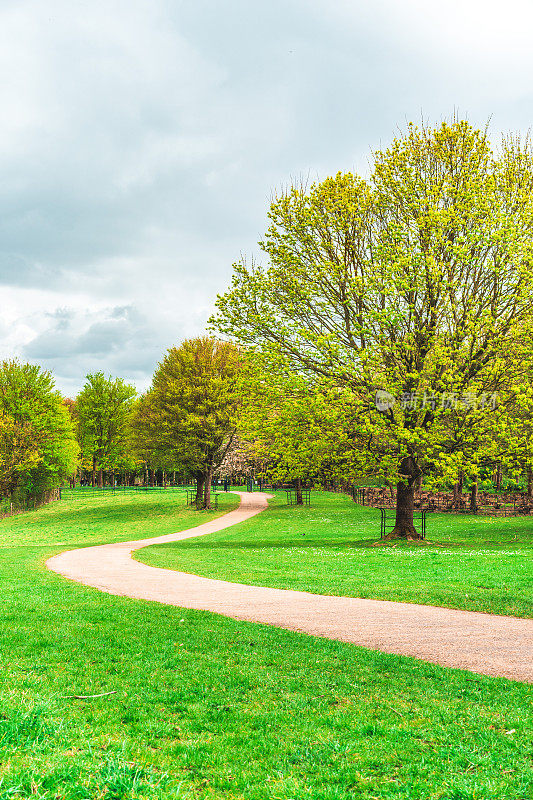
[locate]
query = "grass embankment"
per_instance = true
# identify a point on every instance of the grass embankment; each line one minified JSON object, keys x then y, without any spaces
{"x":474,"y":563}
{"x":207,"y":707}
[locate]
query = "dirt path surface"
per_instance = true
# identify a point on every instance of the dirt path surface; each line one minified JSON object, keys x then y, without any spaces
{"x":484,"y":643}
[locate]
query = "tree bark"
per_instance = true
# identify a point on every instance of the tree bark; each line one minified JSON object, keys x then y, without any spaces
{"x":299,"y":494}
{"x":200,"y":480}
{"x":473,"y":497}
{"x":207,"y":488}
{"x":93,"y":473}
{"x":458,"y":489}
{"x":529,"y":481}
{"x":405,"y":501}
{"x":498,"y":481}
{"x":100,"y":478}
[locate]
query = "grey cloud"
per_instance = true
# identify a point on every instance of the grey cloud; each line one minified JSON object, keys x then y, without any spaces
{"x":121,"y":338}
{"x":142,"y":139}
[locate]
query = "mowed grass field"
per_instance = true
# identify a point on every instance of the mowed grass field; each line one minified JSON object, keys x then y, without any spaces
{"x":473,"y":563}
{"x":207,"y":707}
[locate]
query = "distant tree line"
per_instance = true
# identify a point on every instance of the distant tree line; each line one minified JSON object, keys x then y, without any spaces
{"x":183,"y":426}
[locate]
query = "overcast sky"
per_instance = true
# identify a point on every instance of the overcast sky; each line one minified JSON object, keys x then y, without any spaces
{"x":141,"y":142}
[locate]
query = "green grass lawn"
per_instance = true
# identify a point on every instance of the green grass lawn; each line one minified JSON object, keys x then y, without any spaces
{"x":207,"y":707}
{"x":475,"y":563}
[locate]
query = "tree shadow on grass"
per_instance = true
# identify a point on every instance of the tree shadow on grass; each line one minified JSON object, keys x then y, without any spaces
{"x":376,"y":545}
{"x":269,"y":544}
{"x":99,"y":514}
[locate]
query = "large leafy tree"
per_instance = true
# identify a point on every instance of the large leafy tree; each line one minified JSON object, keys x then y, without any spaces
{"x":38,"y":448}
{"x":148,"y":446}
{"x":297,"y":434}
{"x":104,"y":408}
{"x":416,"y":282}
{"x":192,"y":406}
{"x":19,"y":452}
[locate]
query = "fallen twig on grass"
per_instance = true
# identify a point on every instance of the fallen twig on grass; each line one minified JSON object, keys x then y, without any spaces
{"x":85,"y":696}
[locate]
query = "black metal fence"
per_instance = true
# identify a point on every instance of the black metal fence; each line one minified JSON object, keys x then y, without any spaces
{"x":292,"y":496}
{"x":388,"y":521}
{"x":194,"y":500}
{"x":80,"y":492}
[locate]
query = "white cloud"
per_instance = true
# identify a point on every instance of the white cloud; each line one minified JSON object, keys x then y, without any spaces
{"x":141,"y":141}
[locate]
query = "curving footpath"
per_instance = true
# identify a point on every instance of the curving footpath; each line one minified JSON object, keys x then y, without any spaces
{"x":483,"y":643}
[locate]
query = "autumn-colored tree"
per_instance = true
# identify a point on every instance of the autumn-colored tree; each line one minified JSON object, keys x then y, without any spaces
{"x":415,"y":283}
{"x":192,"y":405}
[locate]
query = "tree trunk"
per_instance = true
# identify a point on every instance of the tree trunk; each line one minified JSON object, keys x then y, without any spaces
{"x":529,"y":481}
{"x":473,"y":497}
{"x":498,"y":481}
{"x":207,"y":488}
{"x":93,"y":473}
{"x":100,"y":478}
{"x":458,"y":489}
{"x":299,"y":494}
{"x":405,"y":501}
{"x":200,"y":480}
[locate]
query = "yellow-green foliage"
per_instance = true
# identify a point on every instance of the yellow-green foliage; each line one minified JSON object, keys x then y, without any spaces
{"x":417,"y":281}
{"x":38,"y":448}
{"x":104,"y":408}
{"x":190,"y":411}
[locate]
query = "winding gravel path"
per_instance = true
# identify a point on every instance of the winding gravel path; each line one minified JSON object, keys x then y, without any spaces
{"x":484,"y":643}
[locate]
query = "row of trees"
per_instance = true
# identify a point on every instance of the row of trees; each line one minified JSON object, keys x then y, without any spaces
{"x":211,"y":405}
{"x":205,"y":396}
{"x":386,"y":313}
{"x":186,"y":422}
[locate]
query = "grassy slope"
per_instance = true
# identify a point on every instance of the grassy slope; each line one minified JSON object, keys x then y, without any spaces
{"x":206,"y":707}
{"x":480,"y":563}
